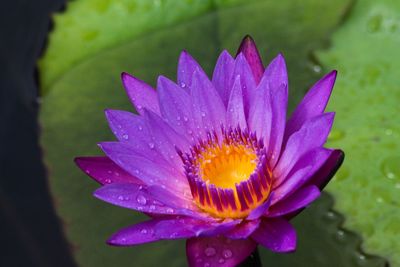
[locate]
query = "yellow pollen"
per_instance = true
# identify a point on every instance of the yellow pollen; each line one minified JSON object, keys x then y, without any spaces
{"x":226,"y":165}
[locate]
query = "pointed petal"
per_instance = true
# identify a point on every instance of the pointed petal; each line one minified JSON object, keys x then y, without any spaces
{"x":326,"y":171}
{"x":279,"y":100}
{"x":276,"y":234}
{"x":218,"y":251}
{"x":175,"y":106}
{"x":135,"y":234}
{"x":242,"y":69}
{"x":276,"y":72}
{"x":165,"y":139}
{"x":260,"y":114}
{"x":151,"y":171}
{"x":243,"y":230}
{"x":208,"y":102}
{"x":298,"y":200}
{"x":301,"y":173}
{"x":311,"y":135}
{"x":235,"y":111}
{"x":141,"y":94}
{"x":249,"y":49}
{"x":105,"y":171}
{"x":222,"y":75}
{"x":152,"y":200}
{"x":313,"y":104}
{"x":186,"y":67}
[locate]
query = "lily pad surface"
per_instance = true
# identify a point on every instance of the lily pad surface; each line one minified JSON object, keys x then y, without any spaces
{"x":73,"y":122}
{"x":365,"y":50}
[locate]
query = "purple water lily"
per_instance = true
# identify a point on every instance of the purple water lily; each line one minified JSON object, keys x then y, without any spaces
{"x":217,"y":162}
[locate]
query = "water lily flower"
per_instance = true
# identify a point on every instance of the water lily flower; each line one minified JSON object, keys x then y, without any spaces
{"x":216,"y":161}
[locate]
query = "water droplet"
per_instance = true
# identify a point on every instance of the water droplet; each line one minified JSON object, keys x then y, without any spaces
{"x":143,"y":231}
{"x":109,"y":172}
{"x":169,"y":210}
{"x":140,"y":127}
{"x":125,"y":136}
{"x":227,"y":253}
{"x":87,"y":171}
{"x":185,"y":118}
{"x":151,"y":145}
{"x":141,"y":199}
{"x":116,"y":173}
{"x":203,"y":114}
{"x":221,"y":260}
{"x":183,"y":85}
{"x":391,"y":167}
{"x":210,"y":251}
{"x":120,"y":197}
{"x":178,"y":118}
{"x":152,"y":207}
{"x":107,"y":181}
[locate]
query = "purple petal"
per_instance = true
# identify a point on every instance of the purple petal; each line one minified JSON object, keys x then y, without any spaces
{"x":219,"y":228}
{"x":242,"y":69}
{"x":276,"y":72}
{"x":298,"y":200}
{"x":135,"y":234}
{"x":222,"y":75}
{"x":235,"y":111}
{"x":145,"y":199}
{"x":260,"y":210}
{"x":302,"y":172}
{"x":104,"y":170}
{"x":279,"y":98}
{"x":326,"y":172}
{"x":176,"y":107}
{"x":207,"y":102}
{"x":141,"y":94}
{"x":218,"y":251}
{"x":186,"y":67}
{"x":260,"y":114}
{"x":276,"y":234}
{"x":249,"y":49}
{"x":165,"y":140}
{"x":243,"y":230}
{"x":311,"y":135}
{"x":313,"y":104}
{"x":152,"y":171}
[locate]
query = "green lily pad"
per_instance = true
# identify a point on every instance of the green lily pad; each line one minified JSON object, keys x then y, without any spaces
{"x":365,"y":50}
{"x":73,"y":121}
{"x":91,"y":26}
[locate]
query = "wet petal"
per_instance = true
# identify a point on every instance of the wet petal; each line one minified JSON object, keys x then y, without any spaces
{"x":328,"y":169}
{"x":186,"y":67}
{"x":301,"y":174}
{"x":208,"y":102}
{"x":276,"y":73}
{"x":242,"y":69}
{"x":152,"y":171}
{"x":313,"y":104}
{"x":235,"y":111}
{"x":152,"y":200}
{"x":260,"y":114}
{"x":298,"y":200}
{"x":222,"y":75}
{"x":141,"y":94}
{"x":218,"y":251}
{"x":311,"y":135}
{"x":175,"y":106}
{"x":104,"y":170}
{"x":249,"y":49}
{"x":276,"y":234}
{"x":243,"y":230}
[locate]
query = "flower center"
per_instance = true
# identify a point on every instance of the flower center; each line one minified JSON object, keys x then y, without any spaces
{"x":226,"y":165}
{"x":228,"y":176}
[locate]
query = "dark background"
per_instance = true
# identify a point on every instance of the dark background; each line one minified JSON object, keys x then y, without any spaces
{"x":30,"y":231}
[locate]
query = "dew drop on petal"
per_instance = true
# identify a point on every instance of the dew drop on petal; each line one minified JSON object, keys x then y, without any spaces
{"x":151,"y":145}
{"x":169,"y":210}
{"x":141,"y":200}
{"x":120,"y":197}
{"x":125,"y":136}
{"x":227,"y":253}
{"x":221,"y":260}
{"x":210,"y":251}
{"x":140,"y":128}
{"x":143,"y":231}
